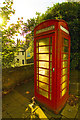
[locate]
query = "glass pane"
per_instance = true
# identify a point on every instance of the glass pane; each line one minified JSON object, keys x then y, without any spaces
{"x":50,"y":88}
{"x":44,"y":49}
{"x":64,"y":71}
{"x":37,"y":83}
{"x":44,"y":57}
{"x":64,"y":85}
{"x":44,"y":64}
{"x":44,"y":79}
{"x":64,"y":91}
{"x":50,"y":57}
{"x":51,"y":81}
{"x":64,"y":64}
{"x":44,"y":41}
{"x":43,"y":71}
{"x":37,"y":76}
{"x":65,"y":42}
{"x":50,"y":40}
{"x":64,"y":78}
{"x":65,"y":49}
{"x":36,"y":43}
{"x":50,"y":96}
{"x":36,"y":56}
{"x":37,"y":70}
{"x":36,"y":49}
{"x":43,"y":93}
{"x":43,"y":86}
{"x":50,"y":65}
{"x":50,"y":49}
{"x":65,"y":56}
{"x":37,"y":63}
{"x":50,"y":73}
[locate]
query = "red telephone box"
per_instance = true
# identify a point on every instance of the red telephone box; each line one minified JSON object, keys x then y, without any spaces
{"x":52,"y":63}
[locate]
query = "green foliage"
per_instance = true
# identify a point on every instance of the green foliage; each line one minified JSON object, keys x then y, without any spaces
{"x":6,"y":11}
{"x":70,"y":12}
{"x":8,"y":33}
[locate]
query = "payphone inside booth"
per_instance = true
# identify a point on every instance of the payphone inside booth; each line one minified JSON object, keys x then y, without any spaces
{"x":52,"y":63}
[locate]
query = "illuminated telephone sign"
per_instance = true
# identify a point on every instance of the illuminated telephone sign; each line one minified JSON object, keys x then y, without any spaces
{"x":52,"y":63}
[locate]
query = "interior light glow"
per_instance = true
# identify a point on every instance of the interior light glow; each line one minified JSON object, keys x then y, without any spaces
{"x":63,"y":92}
{"x":64,"y":85}
{"x":41,"y":71}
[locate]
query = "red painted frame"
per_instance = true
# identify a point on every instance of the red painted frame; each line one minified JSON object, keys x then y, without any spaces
{"x":57,"y":102}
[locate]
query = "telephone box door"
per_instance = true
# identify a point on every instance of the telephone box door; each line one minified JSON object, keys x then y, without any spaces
{"x":65,"y":64}
{"x":44,"y":54}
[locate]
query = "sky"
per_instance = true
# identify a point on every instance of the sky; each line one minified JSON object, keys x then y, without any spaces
{"x":28,"y":8}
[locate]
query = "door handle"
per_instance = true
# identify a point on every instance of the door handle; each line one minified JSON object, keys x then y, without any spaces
{"x":53,"y":69}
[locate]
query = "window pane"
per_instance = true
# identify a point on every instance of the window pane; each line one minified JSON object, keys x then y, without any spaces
{"x":44,"y":57}
{"x":37,"y":76}
{"x":17,"y":60}
{"x":64,"y":78}
{"x":50,"y":40}
{"x":50,"y":88}
{"x":44,"y":41}
{"x":64,"y":71}
{"x":43,"y":71}
{"x":22,"y":61}
{"x":51,"y":81}
{"x":64,"y":85}
{"x":43,"y":93}
{"x":50,"y":73}
{"x":64,"y":91}
{"x":44,"y":64}
{"x":43,"y":86}
{"x":44,"y":49}
{"x":50,"y":96}
{"x":36,"y":43}
{"x":50,"y":49}
{"x":65,"y":49}
{"x":44,"y":79}
{"x":36,"y":56}
{"x":36,"y":49}
{"x":50,"y":65}
{"x":50,"y":57}
{"x":65,"y":56}
{"x":37,"y":63}
{"x":37,"y":70}
{"x":64,"y":64}
{"x":65,"y":42}
{"x":37,"y":83}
